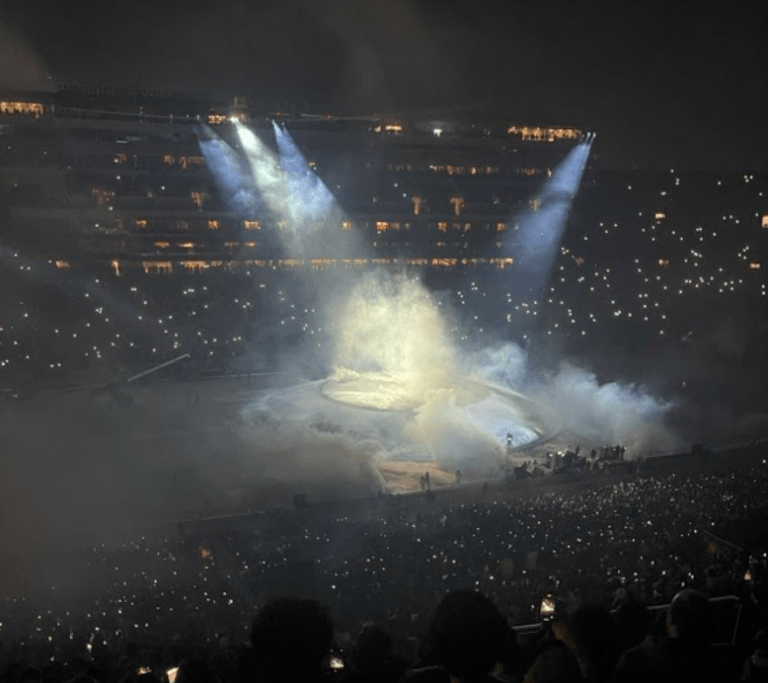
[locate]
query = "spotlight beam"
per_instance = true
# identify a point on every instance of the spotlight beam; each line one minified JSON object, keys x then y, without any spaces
{"x":536,"y":243}
{"x":312,"y":201}
{"x":231,"y":175}
{"x":267,"y":173}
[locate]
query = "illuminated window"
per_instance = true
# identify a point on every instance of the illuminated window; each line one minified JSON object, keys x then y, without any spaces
{"x":121,"y":158}
{"x":249,"y":225}
{"x":382,"y":226}
{"x":198,"y":265}
{"x":535,"y":203}
{"x":198,"y":198}
{"x":116,"y":267}
{"x":187,"y":245}
{"x":61,"y":264}
{"x":31,"y":108}
{"x":663,"y":262}
{"x":764,"y":222}
{"x":216,"y":119}
{"x":250,"y":245}
{"x":103,"y":197}
{"x":214,"y":225}
{"x":346,"y":225}
{"x":458,"y":204}
{"x":659,"y":215}
{"x":467,"y":227}
{"x":442,"y":226}
{"x":169,"y":159}
{"x":162,"y":245}
{"x":157,"y":266}
{"x":755,"y":265}
{"x":231,"y":245}
{"x":539,"y":134}
{"x":140,"y":223}
{"x":501,"y":227}
{"x":417,"y":203}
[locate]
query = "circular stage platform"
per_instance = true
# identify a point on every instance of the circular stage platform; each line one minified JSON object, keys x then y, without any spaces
{"x":408,"y":429}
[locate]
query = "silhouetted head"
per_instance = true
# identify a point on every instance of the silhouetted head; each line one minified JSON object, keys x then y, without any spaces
{"x":688,"y":616}
{"x":291,"y":638}
{"x":466,"y":634}
{"x":373,"y":643}
{"x":556,"y":664}
{"x":632,"y":621}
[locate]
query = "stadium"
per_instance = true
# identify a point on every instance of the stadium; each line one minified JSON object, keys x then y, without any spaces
{"x":253,"y":349}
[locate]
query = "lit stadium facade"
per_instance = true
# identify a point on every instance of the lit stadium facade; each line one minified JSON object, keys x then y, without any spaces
{"x":116,"y":178}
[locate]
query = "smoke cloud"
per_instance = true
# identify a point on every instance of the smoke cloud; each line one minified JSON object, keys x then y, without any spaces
{"x":591,"y":411}
{"x":392,"y":323}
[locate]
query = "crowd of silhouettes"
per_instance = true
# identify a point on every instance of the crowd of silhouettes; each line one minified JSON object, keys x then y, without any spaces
{"x":442,"y":593}
{"x":467,"y":640}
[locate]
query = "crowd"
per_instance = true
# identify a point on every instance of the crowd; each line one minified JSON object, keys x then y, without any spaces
{"x":648,"y":259}
{"x":188,"y":594}
{"x":571,"y":461}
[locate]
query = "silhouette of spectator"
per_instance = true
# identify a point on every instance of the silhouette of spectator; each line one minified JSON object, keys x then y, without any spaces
{"x":632,"y":621}
{"x":683,"y":653}
{"x":556,"y":664}
{"x":464,"y":640}
{"x":593,"y":639}
{"x":372,"y":659}
{"x":290,"y":640}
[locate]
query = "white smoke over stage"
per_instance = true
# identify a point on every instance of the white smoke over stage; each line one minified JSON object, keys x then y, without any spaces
{"x":404,"y":398}
{"x":398,"y":394}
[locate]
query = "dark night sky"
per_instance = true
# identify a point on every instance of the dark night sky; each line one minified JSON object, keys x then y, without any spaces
{"x":664,"y":82}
